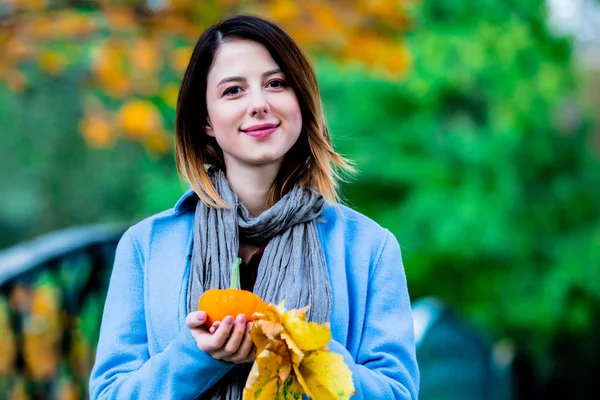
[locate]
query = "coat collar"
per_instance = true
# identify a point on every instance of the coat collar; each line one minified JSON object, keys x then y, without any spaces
{"x":186,"y":202}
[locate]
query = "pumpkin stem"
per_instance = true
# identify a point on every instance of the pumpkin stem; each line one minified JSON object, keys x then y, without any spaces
{"x":235,"y":273}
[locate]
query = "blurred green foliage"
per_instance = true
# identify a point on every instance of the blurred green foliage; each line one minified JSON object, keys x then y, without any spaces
{"x":480,"y":162}
{"x":51,"y":179}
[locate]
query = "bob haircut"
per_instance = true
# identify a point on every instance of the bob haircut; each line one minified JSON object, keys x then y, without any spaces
{"x":311,"y":162}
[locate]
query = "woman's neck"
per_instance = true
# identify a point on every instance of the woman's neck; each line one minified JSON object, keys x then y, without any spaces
{"x":252,"y":185}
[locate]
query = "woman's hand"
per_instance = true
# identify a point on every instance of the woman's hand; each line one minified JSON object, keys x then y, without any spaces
{"x":226,"y":340}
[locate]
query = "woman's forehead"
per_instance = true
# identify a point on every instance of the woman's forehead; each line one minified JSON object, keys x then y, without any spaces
{"x":241,"y":58}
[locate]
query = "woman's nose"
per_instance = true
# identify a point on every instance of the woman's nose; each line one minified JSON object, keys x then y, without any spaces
{"x":259,"y":105}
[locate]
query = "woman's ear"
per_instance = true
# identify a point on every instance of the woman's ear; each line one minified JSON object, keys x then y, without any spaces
{"x":208,"y":128}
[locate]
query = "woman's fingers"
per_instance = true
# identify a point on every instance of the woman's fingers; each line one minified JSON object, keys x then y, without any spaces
{"x":195,"y":319}
{"x":220,"y":336}
{"x":214,"y":327}
{"x":245,"y":352}
{"x":227,"y":340}
{"x":235,"y":338}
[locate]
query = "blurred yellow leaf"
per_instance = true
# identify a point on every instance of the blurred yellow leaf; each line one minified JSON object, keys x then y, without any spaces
{"x":120,"y":18}
{"x":181,"y":58}
{"x":110,"y":68}
{"x":173,"y":24}
{"x":386,"y":55}
{"x":5,"y":36}
{"x":183,"y":4}
{"x":158,"y":142}
{"x":145,"y":56}
{"x":41,"y":27}
{"x":45,"y":301}
{"x":170,"y":94}
{"x":283,"y":10}
{"x":97,"y":131}
{"x":52,"y":62}
{"x":15,"y":81}
{"x":16,"y":49}
{"x":397,"y":61}
{"x":227,"y":3}
{"x":80,"y":353}
{"x":68,"y":390}
{"x":30,"y":5}
{"x":139,"y":119}
{"x":19,"y":297}
{"x":146,"y":85}
{"x":325,"y":18}
{"x":42,"y":333}
{"x":19,"y":390}
{"x":70,"y":24}
{"x":391,"y":13}
{"x":7,"y":340}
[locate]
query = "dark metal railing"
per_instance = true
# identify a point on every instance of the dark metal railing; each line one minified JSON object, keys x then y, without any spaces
{"x":52,"y":292}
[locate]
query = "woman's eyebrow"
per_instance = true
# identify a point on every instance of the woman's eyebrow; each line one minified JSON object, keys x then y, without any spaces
{"x":242,"y":79}
{"x":231,"y":79}
{"x":271,"y":72}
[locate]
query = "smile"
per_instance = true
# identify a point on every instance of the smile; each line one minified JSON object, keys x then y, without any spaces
{"x":260,"y":131}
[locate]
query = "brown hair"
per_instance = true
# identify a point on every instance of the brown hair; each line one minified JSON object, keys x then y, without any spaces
{"x":311,"y":162}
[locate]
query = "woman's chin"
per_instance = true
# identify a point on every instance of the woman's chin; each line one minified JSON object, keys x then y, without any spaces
{"x":265,"y":161}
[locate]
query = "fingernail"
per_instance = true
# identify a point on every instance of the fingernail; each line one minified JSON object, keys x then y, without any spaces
{"x":201,"y":315}
{"x":249,"y":326}
{"x":228,"y":320}
{"x":241,"y":319}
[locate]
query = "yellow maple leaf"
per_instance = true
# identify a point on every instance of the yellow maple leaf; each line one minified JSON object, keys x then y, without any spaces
{"x":263,"y":376}
{"x":306,"y":335}
{"x":292,"y":359}
{"x":326,"y":376}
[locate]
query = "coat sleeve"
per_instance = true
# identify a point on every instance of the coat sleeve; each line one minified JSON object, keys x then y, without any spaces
{"x":123,"y":368}
{"x":385,"y":366}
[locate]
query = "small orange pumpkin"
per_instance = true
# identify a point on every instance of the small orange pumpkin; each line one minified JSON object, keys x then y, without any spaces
{"x":219,"y":303}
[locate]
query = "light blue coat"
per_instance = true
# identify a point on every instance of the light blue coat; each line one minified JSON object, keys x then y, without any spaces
{"x":146,"y":351}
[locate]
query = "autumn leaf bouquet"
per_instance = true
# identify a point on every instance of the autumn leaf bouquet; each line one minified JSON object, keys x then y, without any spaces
{"x":292,"y":358}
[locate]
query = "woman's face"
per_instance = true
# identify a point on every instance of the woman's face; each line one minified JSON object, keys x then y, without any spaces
{"x":253,"y":114}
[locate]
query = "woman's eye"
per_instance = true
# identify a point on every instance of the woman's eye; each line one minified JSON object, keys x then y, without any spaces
{"x":232,"y":91}
{"x":277,"y":83}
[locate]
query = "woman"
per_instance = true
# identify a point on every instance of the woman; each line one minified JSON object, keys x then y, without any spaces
{"x":249,"y":110}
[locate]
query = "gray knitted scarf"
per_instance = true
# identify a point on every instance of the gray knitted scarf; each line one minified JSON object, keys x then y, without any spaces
{"x":292,"y":266}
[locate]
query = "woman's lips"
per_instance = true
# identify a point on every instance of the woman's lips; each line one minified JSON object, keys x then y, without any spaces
{"x":260,"y":131}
